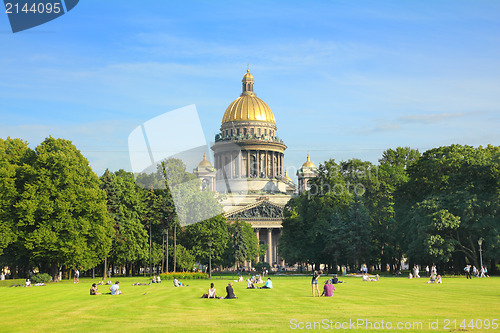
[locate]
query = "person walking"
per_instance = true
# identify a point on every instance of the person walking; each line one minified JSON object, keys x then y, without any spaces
{"x":467,"y":270}
{"x":76,"y":278}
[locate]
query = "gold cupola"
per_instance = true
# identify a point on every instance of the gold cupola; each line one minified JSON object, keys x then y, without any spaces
{"x":308,"y":163}
{"x":205,"y":163}
{"x":248,"y":107}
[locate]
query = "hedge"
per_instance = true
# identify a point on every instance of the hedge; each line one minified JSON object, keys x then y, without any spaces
{"x":184,"y":276}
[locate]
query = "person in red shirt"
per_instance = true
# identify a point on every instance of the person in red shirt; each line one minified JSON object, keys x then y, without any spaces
{"x":328,"y":289}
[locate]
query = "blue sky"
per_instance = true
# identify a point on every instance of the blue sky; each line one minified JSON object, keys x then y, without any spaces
{"x":344,"y":78}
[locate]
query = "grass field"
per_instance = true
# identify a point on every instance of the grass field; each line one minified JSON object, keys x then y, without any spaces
{"x":68,"y":307}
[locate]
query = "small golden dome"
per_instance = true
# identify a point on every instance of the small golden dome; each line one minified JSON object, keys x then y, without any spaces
{"x":248,"y":106}
{"x":308,"y":163}
{"x":205,"y":163}
{"x":247,"y":76}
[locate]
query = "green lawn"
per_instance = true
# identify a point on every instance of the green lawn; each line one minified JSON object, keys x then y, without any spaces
{"x":68,"y":307}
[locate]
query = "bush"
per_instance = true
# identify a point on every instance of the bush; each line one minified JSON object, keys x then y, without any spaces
{"x":184,"y":276}
{"x":261,"y":265}
{"x":41,"y":278}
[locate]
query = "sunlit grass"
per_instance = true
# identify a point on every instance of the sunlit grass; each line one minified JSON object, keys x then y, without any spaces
{"x":68,"y":307}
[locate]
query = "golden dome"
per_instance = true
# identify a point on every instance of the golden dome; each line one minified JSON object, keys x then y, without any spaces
{"x":205,"y":163}
{"x":308,"y":163}
{"x":248,"y":106}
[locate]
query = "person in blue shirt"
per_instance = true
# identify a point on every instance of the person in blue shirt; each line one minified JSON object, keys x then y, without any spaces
{"x":114,"y":289}
{"x":268,"y":284}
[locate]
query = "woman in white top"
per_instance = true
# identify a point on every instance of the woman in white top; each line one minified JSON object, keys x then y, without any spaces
{"x":211,"y":291}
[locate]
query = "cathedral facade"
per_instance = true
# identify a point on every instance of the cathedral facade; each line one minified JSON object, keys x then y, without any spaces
{"x":249,"y":169}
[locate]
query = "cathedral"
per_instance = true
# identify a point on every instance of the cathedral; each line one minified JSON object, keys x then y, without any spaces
{"x":249,"y":169}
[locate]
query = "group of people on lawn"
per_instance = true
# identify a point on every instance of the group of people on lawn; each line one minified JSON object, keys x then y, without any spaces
{"x":114,"y":289}
{"x":328,"y":288}
{"x":212,"y":292}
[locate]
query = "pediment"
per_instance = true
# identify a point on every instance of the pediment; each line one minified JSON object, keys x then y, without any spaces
{"x":263,"y":209}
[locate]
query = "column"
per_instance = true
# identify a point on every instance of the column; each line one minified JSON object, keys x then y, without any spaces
{"x":257,"y":153}
{"x":277,"y":164}
{"x":283,"y":164}
{"x":240,"y":164}
{"x":266,"y":161}
{"x":257,"y":232}
{"x":231,"y":163}
{"x":270,"y":246}
{"x":249,"y":157}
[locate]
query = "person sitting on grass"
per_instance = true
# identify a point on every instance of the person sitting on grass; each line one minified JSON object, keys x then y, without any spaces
{"x":259,"y":279}
{"x":93,"y":290}
{"x":328,"y":289}
{"x":27,"y":283}
{"x":268,"y":285}
{"x":250,"y":284}
{"x":177,"y":283}
{"x":230,"y":291}
{"x":240,"y":278}
{"x":115,"y":288}
{"x":335,"y":279}
{"x":154,"y":279}
{"x":212,"y":291}
{"x":158,"y":279}
{"x":366,"y":277}
{"x":432,"y":279}
{"x":438,"y":279}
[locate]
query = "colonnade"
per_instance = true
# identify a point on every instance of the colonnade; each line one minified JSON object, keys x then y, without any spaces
{"x":271,"y":256}
{"x":251,"y":163}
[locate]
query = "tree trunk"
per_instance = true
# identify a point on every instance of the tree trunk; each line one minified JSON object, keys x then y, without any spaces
{"x":163,"y":257}
{"x":166,"y":259}
{"x":53,"y":271}
{"x":175,"y":246}
{"x":105,"y":275}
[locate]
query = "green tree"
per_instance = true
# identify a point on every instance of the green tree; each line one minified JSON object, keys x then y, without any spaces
{"x":13,"y":154}
{"x":392,"y":174}
{"x":185,"y":259}
{"x":126,"y":205}
{"x":244,"y":245}
{"x":196,"y":236}
{"x":450,"y":201}
{"x":62,"y":213}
